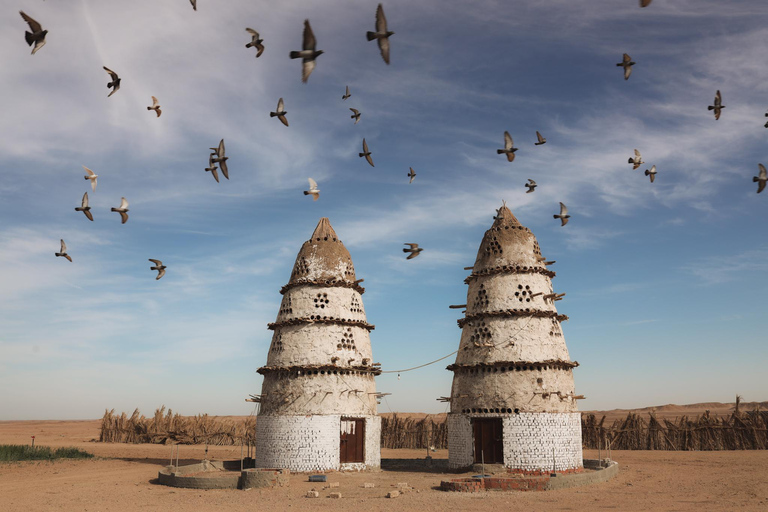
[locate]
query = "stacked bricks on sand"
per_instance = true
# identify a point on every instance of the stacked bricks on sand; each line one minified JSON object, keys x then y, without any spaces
{"x":318,"y":400}
{"x":512,"y":399}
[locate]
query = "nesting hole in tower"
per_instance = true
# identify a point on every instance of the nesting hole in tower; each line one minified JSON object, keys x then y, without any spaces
{"x":493,"y":246}
{"x":349,"y":271}
{"x":302,"y":269}
{"x":355,"y":306}
{"x":481,"y":336}
{"x":523,"y":294}
{"x":347,"y":341}
{"x":555,"y":330}
{"x":321,"y":300}
{"x":481,"y":300}
{"x":286,"y":306}
{"x":277,"y":343}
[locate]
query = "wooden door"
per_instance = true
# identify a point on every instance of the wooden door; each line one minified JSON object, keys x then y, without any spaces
{"x":352,"y":440}
{"x":489,"y":442}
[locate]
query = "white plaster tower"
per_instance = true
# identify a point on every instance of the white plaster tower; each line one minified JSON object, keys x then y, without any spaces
{"x":512,"y":399}
{"x":318,"y":399}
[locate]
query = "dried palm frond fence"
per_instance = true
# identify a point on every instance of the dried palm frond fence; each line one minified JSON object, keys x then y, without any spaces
{"x":167,"y":427}
{"x":739,"y":431}
{"x":397,"y":432}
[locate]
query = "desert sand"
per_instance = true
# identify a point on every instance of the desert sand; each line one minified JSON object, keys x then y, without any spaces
{"x":122,"y":477}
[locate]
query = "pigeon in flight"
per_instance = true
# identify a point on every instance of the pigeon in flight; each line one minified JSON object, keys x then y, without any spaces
{"x":63,"y":252}
{"x":414,"y":250}
{"x":761,"y":179}
{"x":411,"y":175}
{"x":280,"y":112}
{"x":122,"y":210}
{"x":651,"y":173}
{"x":212,"y":167}
{"x":509,"y":150}
{"x":115,"y":83}
{"x":346,"y":94}
{"x":636,"y":161}
{"x":717,"y":106}
{"x":531,"y":186}
{"x":91,"y":176}
{"x":221,"y":159}
{"x":766,"y":124}
{"x":645,"y":3}
{"x":308,"y":54}
{"x":313,"y":190}
{"x":256,"y":41}
{"x":159,"y":267}
{"x":563,"y":215}
{"x":542,"y":140}
{"x":194,"y":4}
{"x":355,"y":115}
{"x":366,"y":153}
{"x":382,"y":34}
{"x":155,"y":106}
{"x":37,"y":34}
{"x":627,"y":64}
{"x":85,"y":208}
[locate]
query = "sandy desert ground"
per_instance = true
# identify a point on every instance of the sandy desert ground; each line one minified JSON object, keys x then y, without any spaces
{"x":122,"y":478}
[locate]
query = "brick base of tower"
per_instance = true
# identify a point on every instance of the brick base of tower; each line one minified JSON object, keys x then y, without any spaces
{"x":311,"y":443}
{"x":532,"y":442}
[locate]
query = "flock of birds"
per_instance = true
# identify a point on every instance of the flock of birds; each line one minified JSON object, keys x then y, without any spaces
{"x":308,"y":54}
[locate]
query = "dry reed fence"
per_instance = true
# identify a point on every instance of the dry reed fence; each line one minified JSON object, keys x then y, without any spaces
{"x":397,"y":432}
{"x":167,"y":427}
{"x":739,"y":431}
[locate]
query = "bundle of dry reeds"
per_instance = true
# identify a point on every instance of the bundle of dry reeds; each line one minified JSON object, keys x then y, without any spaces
{"x":738,"y":431}
{"x":398,"y":432}
{"x":167,"y":427}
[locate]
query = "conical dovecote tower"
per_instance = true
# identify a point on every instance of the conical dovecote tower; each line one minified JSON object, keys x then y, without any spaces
{"x":512,"y":399}
{"x":318,"y":399}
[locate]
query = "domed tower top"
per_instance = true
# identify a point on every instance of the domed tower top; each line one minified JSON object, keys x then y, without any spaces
{"x":507,"y":245}
{"x":323,"y":259}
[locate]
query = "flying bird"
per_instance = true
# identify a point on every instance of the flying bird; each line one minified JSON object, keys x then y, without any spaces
{"x":542,"y":140}
{"x":212,"y":167}
{"x":155,"y":106}
{"x":645,"y":3}
{"x":531,"y":186}
{"x":313,"y":190}
{"x":627,"y":64}
{"x":85,"y":208}
{"x":194,"y":4}
{"x":766,"y":124}
{"x":346,"y":94}
{"x":366,"y":153}
{"x":221,"y":159}
{"x":414,"y":250}
{"x":717,"y":106}
{"x":115,"y":83}
{"x":308,"y":54}
{"x":636,"y":161}
{"x":63,"y":252}
{"x":91,"y":176}
{"x":159,"y":267}
{"x":509,"y":150}
{"x":280,"y":112}
{"x":382,"y":34}
{"x":411,"y":175}
{"x":761,"y":179}
{"x":37,"y":34}
{"x":256,"y":41}
{"x":651,"y":173}
{"x":355,"y":115}
{"x":563,"y":215}
{"x":122,"y":210}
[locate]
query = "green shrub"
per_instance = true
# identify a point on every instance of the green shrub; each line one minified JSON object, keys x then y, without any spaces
{"x":14,"y":452}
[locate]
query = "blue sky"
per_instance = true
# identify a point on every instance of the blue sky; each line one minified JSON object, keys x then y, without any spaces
{"x":666,"y":282}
